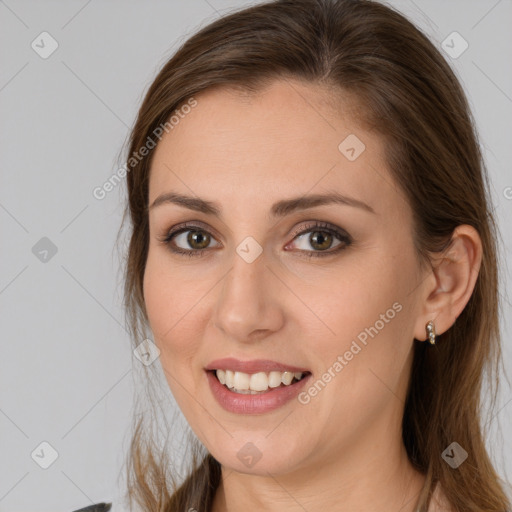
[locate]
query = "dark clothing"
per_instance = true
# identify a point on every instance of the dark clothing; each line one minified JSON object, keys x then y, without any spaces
{"x":98,"y":507}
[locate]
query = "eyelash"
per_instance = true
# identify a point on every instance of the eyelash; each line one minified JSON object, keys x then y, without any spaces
{"x":323,"y":227}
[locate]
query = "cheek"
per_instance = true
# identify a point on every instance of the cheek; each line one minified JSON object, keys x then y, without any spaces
{"x":373,"y":318}
{"x":170,"y":305}
{"x":369,"y":312}
{"x":170,"y":316}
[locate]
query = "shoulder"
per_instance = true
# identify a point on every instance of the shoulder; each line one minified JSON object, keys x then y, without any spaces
{"x":439,"y":502}
{"x":97,"y":507}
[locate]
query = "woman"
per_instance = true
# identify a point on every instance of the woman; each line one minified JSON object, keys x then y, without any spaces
{"x":313,"y":257}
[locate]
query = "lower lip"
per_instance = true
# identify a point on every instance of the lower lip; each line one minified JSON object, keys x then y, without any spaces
{"x":253,"y":404}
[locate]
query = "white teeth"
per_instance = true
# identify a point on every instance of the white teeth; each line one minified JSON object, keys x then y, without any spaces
{"x":259,"y":381}
{"x":287,"y":378}
{"x":241,"y":380}
{"x":221,"y":375}
{"x":274,"y":379}
{"x":245,"y":383}
{"x":229,"y":378}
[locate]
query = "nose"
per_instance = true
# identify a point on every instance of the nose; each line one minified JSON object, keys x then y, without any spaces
{"x":250,"y":303}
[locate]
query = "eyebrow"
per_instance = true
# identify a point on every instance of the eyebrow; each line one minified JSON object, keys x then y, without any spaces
{"x":279,"y":209}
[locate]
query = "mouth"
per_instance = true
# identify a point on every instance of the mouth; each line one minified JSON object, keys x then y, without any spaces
{"x":256,"y":383}
{"x":254,"y":387}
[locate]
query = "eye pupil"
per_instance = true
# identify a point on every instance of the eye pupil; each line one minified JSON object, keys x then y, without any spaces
{"x":318,"y":238}
{"x":198,"y":237}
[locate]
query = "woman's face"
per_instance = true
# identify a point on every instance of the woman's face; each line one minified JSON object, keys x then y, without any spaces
{"x":272,"y":291}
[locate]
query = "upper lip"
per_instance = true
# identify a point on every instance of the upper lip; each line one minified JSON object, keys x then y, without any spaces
{"x":252,"y":366}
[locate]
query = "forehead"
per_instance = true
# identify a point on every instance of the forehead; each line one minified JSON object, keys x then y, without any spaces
{"x":285,"y":137}
{"x":282,"y":112}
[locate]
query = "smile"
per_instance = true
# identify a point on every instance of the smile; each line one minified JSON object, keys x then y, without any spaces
{"x":261,"y":382}
{"x":254,"y":387}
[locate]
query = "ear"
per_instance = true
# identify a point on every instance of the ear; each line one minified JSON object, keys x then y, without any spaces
{"x":453,"y":279}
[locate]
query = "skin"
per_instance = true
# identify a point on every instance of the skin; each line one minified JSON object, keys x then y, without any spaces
{"x":342,"y":450}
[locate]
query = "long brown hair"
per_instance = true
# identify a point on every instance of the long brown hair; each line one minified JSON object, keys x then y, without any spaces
{"x":411,"y":96}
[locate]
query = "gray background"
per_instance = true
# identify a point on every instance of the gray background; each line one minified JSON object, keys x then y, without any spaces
{"x":66,"y":364}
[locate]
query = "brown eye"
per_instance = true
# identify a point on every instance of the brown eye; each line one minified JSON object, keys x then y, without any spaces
{"x":199,"y":238}
{"x":191,"y":240}
{"x":320,"y":237}
{"x":320,"y":240}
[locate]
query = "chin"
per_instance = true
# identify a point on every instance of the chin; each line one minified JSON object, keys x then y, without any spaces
{"x":257,"y":455}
